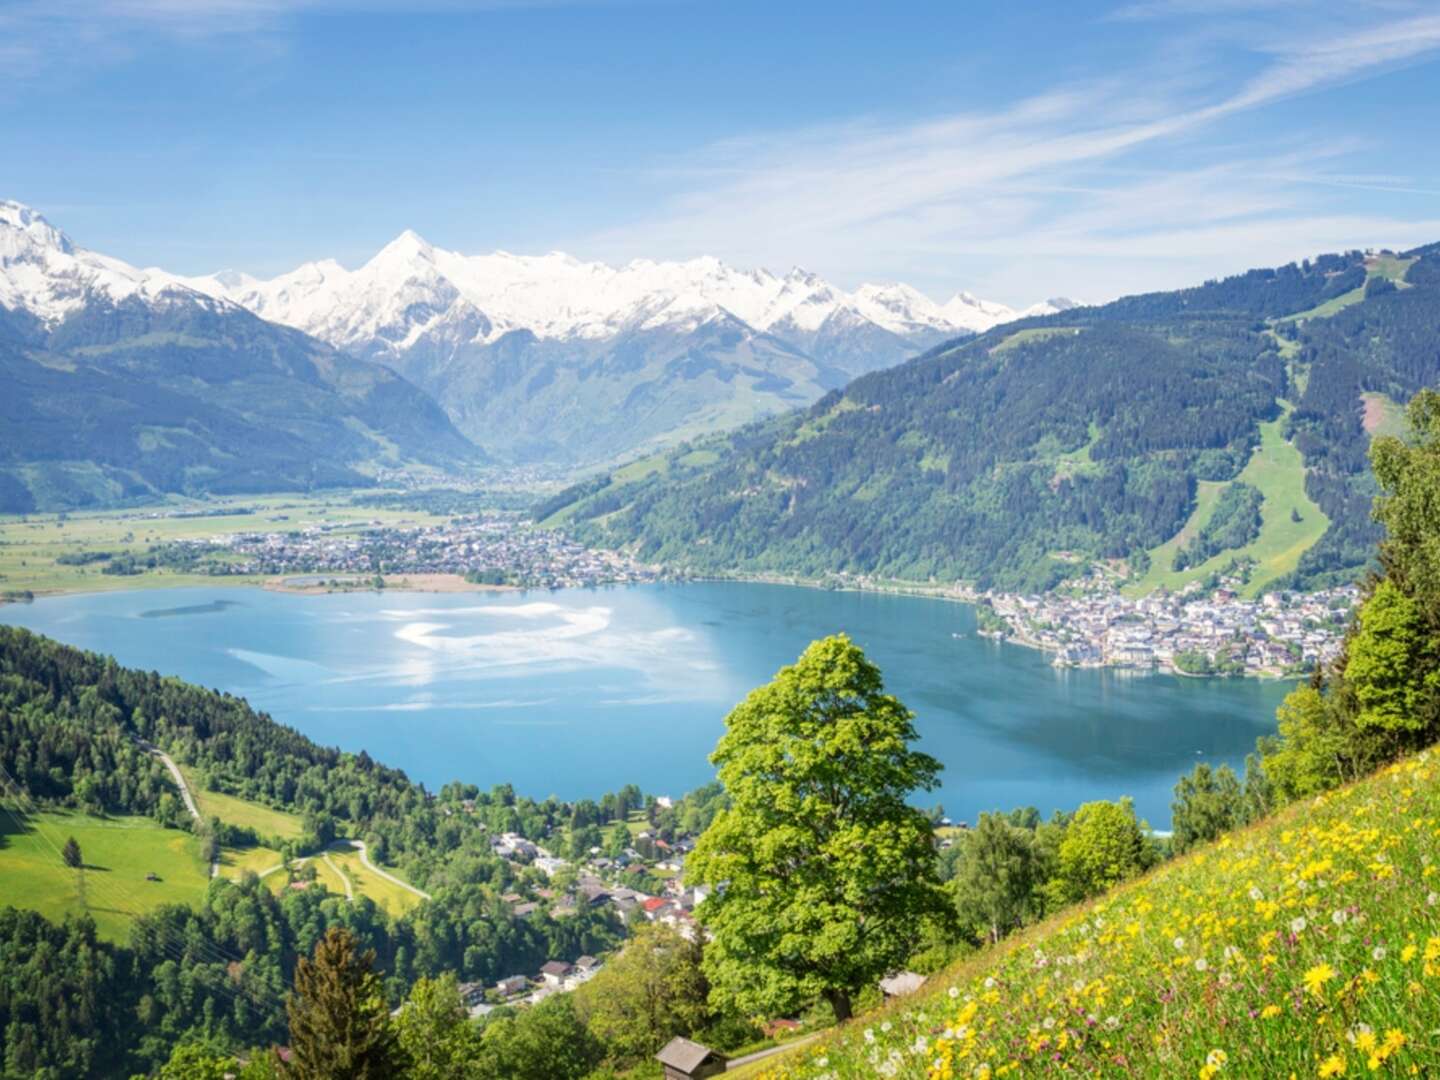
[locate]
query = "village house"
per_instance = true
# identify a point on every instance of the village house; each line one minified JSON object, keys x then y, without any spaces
{"x":554,"y":972}
{"x":512,"y":985}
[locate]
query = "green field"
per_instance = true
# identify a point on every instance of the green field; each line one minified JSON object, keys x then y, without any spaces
{"x":386,"y":894}
{"x":272,"y":824}
{"x":1277,"y":469}
{"x":30,"y":544}
{"x":235,"y":862}
{"x":1391,"y":267}
{"x":119,"y":852}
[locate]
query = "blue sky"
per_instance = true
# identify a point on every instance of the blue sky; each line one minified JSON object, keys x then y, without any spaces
{"x":1015,"y":150}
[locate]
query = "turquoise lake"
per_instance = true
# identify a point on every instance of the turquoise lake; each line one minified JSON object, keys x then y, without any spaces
{"x":576,"y":693}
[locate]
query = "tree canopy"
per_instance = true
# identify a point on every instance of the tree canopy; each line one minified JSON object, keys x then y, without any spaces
{"x":823,"y":874}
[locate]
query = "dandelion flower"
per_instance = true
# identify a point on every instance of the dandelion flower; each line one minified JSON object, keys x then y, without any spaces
{"x":1334,"y":1065}
{"x":1317,"y":977}
{"x":1298,"y":924}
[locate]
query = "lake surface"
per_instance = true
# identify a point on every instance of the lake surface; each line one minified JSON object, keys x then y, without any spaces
{"x":578,"y":692}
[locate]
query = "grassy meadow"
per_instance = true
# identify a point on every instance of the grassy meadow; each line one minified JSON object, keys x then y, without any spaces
{"x":118,"y":851}
{"x":269,"y":823}
{"x":30,"y":544}
{"x":1307,"y":945}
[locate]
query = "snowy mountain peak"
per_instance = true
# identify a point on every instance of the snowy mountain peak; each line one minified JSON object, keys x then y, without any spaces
{"x":408,"y":247}
{"x":44,"y":274}
{"x":17,"y":219}
{"x":411,"y":292}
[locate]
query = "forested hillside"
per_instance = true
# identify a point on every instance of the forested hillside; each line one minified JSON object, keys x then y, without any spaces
{"x":1016,"y":458}
{"x":73,"y":1002}
{"x":129,"y":400}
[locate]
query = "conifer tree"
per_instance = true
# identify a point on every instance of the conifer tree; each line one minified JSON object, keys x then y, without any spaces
{"x":339,"y":1026}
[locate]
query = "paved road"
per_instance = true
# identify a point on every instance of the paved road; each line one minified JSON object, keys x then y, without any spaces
{"x":761,"y":1055}
{"x":365,"y":861}
{"x":185,"y":794}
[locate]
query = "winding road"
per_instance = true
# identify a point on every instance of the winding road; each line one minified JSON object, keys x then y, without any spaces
{"x":365,"y":862}
{"x":185,"y":794}
{"x":339,"y":845}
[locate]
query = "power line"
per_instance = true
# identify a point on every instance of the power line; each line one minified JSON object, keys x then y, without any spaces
{"x":166,"y":936}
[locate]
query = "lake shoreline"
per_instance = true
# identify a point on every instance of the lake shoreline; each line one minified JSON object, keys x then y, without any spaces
{"x":573,"y":691}
{"x":455,"y":583}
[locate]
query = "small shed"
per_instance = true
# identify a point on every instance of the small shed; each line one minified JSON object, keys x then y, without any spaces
{"x":686,"y":1060}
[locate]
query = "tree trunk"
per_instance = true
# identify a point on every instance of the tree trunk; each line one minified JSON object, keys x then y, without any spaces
{"x":840,"y":1002}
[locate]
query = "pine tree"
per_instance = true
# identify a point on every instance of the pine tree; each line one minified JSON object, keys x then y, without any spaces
{"x":339,"y":1026}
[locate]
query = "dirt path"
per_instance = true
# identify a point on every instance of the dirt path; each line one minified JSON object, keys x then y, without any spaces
{"x":761,"y":1055}
{"x":344,"y":878}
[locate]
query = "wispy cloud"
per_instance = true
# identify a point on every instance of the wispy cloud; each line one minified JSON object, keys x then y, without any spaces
{"x":39,"y":37}
{"x":1053,"y":178}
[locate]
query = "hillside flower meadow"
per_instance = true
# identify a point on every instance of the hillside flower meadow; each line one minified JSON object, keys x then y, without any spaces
{"x":1305,"y":946}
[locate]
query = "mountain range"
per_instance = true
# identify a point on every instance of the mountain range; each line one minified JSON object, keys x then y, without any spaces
{"x":1117,"y":435}
{"x":551,"y":359}
{"x":539,"y":359}
{"x":122,"y":384}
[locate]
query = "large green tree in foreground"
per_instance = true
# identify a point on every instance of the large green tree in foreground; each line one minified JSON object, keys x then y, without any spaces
{"x":824,"y":874}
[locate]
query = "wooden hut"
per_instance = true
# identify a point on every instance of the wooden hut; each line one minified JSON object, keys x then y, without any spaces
{"x":686,"y":1060}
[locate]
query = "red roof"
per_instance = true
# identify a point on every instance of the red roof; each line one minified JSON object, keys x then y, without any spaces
{"x":655,"y":903}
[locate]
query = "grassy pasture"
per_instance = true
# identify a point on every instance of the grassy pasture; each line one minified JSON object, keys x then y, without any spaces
{"x":118,"y":852}
{"x":1306,"y":945}
{"x":270,"y":823}
{"x":30,"y":544}
{"x":386,"y":894}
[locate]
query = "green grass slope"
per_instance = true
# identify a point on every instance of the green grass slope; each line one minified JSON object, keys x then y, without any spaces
{"x":1307,"y":945}
{"x":1278,"y":471}
{"x":119,"y":852}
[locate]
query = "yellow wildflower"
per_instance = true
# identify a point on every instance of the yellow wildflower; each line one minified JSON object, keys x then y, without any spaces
{"x":1317,"y":977}
{"x":1334,"y":1065}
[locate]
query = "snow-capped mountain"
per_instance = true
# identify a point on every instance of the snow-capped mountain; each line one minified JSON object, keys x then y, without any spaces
{"x":551,"y":357}
{"x":548,"y":357}
{"x":46,"y":277}
{"x":411,"y":289}
{"x":120,"y":383}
